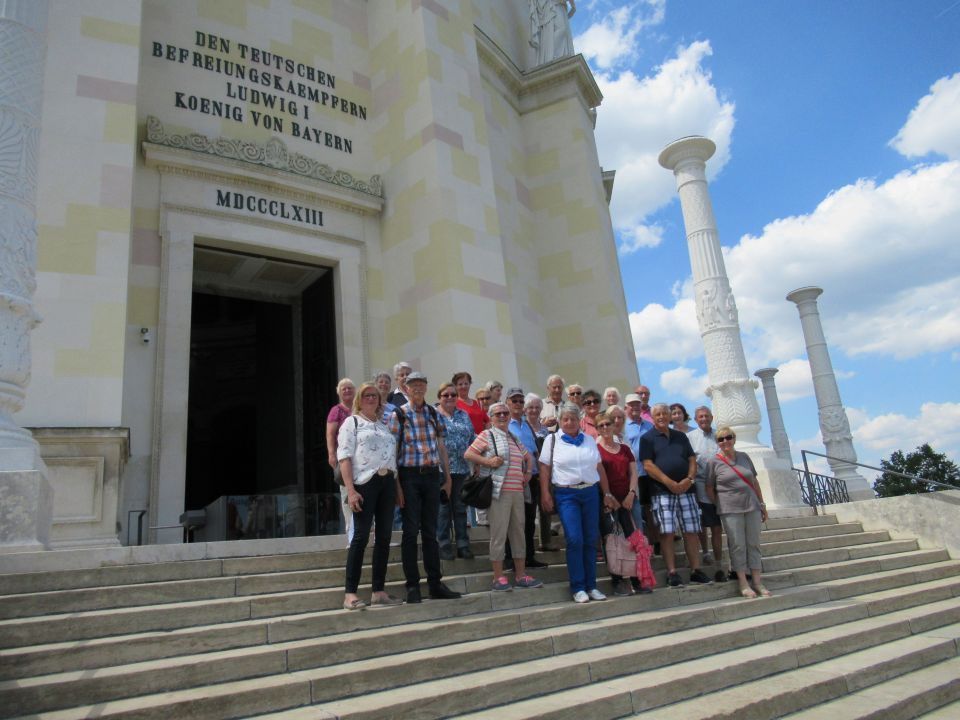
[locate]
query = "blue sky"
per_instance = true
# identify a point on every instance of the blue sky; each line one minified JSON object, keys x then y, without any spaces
{"x":838,"y":131}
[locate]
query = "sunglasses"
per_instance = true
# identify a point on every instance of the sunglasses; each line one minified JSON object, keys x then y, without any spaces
{"x":448,"y":395}
{"x":591,"y":402}
{"x":725,"y":438}
{"x":502,"y":413}
{"x":601,"y":426}
{"x":370,"y":396}
{"x":575,"y":394}
{"x":516,"y":399}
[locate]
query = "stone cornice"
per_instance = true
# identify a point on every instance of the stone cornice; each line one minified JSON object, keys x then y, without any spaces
{"x":540,"y":86}
{"x":273,"y":156}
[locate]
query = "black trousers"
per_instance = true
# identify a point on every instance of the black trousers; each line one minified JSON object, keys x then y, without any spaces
{"x":421,"y":508}
{"x":379,"y":499}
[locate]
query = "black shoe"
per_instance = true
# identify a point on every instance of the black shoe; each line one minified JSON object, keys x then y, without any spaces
{"x":442,"y":592}
{"x":621,"y":588}
{"x":465,"y":553}
{"x":413,"y":596}
{"x":534,"y":563}
{"x":733,"y":576}
{"x":673,"y":580}
{"x":721,"y":576}
{"x":644,"y":591}
{"x":446,"y":553}
{"x":700,"y":578}
{"x":656,"y":548}
{"x":508,"y":564}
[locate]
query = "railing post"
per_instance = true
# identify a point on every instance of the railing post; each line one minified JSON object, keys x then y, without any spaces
{"x":811,"y":491}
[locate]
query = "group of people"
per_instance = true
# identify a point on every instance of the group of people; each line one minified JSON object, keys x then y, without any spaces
{"x":595,"y":461}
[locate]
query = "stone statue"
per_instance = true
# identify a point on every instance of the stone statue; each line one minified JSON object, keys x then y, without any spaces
{"x":550,"y":28}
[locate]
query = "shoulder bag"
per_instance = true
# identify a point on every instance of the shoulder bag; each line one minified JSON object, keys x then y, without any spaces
{"x":477,"y":490}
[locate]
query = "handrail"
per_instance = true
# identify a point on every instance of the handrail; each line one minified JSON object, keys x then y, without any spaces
{"x":804,"y":453}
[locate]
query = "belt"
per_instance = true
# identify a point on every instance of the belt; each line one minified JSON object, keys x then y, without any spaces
{"x":581,"y":486}
{"x":420,"y":469}
{"x":383,"y":472}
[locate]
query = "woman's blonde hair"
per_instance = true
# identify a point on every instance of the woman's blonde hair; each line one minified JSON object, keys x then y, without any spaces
{"x":359,"y":395}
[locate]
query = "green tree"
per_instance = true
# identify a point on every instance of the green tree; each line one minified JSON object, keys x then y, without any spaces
{"x":923,"y":462}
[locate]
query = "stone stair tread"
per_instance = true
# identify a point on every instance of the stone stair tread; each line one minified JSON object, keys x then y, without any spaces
{"x":898,"y":698}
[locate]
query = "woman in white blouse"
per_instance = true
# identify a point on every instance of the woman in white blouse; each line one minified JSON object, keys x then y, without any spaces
{"x":367,"y":452}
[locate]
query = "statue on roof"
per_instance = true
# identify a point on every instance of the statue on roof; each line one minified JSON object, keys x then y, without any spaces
{"x":550,"y":28}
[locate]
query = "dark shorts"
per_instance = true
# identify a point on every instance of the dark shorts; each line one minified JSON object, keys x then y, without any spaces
{"x":644,"y":486}
{"x":708,"y":515}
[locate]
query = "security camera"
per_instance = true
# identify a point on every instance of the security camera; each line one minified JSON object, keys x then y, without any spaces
{"x":145,"y":336}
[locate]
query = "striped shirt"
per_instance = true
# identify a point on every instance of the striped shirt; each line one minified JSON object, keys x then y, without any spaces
{"x":418,"y":443}
{"x":507,"y":448}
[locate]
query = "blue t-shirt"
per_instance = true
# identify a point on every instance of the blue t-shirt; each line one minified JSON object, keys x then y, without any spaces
{"x":633,"y":432}
{"x":671,"y":453}
{"x":524,"y":433}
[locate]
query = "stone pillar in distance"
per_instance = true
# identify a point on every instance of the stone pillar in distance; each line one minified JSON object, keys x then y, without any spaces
{"x":834,"y":425}
{"x":732,"y":390}
{"x":26,"y":500}
{"x":778,"y":433}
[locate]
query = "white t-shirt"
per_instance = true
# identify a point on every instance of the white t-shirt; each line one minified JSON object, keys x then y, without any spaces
{"x":572,"y":465}
{"x":371,"y":447}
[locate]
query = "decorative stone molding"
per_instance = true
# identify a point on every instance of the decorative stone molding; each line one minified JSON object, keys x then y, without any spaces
{"x":272,"y":154}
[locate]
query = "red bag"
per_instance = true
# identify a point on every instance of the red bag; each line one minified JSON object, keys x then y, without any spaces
{"x":643,"y":552}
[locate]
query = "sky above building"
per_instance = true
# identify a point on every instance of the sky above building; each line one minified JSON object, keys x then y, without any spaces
{"x":837,"y":125}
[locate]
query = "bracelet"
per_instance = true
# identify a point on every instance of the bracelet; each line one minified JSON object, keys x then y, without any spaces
{"x":608,"y":494}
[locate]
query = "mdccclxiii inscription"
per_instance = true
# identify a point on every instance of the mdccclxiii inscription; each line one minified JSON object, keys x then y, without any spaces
{"x":285,"y":91}
{"x":269,"y":208}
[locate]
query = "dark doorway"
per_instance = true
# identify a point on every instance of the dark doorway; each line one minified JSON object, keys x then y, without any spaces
{"x":319,"y":382}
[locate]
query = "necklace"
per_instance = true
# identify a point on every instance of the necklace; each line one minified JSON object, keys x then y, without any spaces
{"x":367,"y":418}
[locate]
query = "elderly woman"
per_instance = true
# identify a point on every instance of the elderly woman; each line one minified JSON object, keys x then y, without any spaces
{"x":679,"y":418}
{"x":732,"y":486}
{"x":533,"y":411}
{"x":575,"y":394}
{"x":611,"y":396}
{"x":507,"y":461}
{"x":346,"y":391}
{"x":460,"y":434}
{"x":471,"y":406}
{"x":383,"y":380}
{"x":591,"y":409}
{"x":494,"y":390}
{"x":367,"y":453}
{"x":571,"y":464}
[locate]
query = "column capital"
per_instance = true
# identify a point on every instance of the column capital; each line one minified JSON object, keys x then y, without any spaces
{"x":766,"y":373}
{"x":694,"y":149}
{"x":804,"y":295}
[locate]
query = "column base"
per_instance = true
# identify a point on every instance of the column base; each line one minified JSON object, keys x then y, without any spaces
{"x":858,"y":487}
{"x":778,"y":481}
{"x":26,"y":511}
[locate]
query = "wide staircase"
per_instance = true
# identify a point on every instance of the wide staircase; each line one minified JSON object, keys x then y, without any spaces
{"x":860,"y":626}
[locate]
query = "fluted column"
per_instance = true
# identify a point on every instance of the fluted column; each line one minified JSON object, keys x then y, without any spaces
{"x":25,"y":497}
{"x":731,"y":390}
{"x":778,"y":433}
{"x":834,"y":425}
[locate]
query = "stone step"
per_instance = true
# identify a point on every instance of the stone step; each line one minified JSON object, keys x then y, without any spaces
{"x":358,"y":645}
{"x":902,"y":698}
{"x":647,"y":673}
{"x":768,"y":680}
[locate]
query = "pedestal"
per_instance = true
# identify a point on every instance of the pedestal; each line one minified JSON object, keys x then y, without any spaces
{"x":26,"y":511}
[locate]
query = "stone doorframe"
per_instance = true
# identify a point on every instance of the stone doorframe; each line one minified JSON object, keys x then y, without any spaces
{"x":184,"y":219}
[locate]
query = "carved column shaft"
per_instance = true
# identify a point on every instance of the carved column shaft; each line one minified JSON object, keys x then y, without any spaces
{"x":778,"y":433}
{"x":834,"y":425}
{"x":22,"y":55}
{"x":731,"y":387}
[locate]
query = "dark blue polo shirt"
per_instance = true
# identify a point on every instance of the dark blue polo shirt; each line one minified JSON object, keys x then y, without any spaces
{"x":671,"y":453}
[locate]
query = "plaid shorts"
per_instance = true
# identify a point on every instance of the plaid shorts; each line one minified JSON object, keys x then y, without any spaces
{"x":676,"y":512}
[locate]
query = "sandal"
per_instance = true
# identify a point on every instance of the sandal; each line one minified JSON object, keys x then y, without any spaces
{"x":763,"y":592}
{"x":357,"y":604}
{"x":748,"y":593}
{"x":388,"y":600}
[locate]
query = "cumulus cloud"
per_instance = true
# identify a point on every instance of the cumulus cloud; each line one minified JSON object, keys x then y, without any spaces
{"x":639,"y":117}
{"x":936,"y":423}
{"x":933,"y":124}
{"x":684,"y":383}
{"x":612,"y":39}
{"x":666,"y":334}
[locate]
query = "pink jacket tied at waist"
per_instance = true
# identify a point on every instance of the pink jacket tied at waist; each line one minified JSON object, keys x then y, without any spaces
{"x":644,"y":552}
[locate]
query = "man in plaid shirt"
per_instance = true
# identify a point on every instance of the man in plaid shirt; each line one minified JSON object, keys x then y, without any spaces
{"x":422,"y":468}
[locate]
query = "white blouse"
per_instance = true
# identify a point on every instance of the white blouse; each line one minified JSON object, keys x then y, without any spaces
{"x":572,"y":465}
{"x":370,"y":446}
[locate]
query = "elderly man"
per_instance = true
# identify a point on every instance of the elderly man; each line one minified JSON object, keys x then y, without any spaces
{"x":704,"y":443}
{"x":422,"y":468}
{"x":549,"y":416}
{"x":400,"y":396}
{"x":671,"y":463}
{"x":644,"y":393}
{"x":636,"y":428}
{"x":575,"y":394}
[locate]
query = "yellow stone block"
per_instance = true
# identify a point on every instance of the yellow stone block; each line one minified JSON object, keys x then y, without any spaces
{"x":307,"y":43}
{"x":543,"y":163}
{"x":228,"y":12}
{"x":466,"y":167}
{"x":451,"y":35}
{"x":565,"y":337}
{"x":529,"y":372}
{"x":146,"y":218}
{"x":110,"y":31}
{"x":504,"y":321}
{"x":556,"y":265}
{"x":491,"y":220}
{"x":383,"y":55}
{"x":547,"y":197}
{"x":143,"y":306}
{"x":374,"y":284}
{"x":72,"y":248}
{"x":402,"y":328}
{"x":535,"y":299}
{"x":446,"y":231}
{"x":607,"y":309}
{"x":582,"y":218}
{"x":463,"y":334}
{"x":434,"y":65}
{"x":572,"y":372}
{"x":487,"y":365}
{"x":479,"y":120}
{"x":120,"y":123}
{"x":317,"y":7}
{"x":104,"y":356}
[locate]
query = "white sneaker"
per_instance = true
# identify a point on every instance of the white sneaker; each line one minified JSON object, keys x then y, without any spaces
{"x":581,"y":597}
{"x":708,"y":558}
{"x":596,"y":595}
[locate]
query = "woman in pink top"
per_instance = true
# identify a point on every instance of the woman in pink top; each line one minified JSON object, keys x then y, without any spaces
{"x":346,"y":391}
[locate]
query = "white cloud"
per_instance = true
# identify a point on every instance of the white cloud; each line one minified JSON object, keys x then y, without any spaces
{"x":684,"y":383}
{"x":934,"y":124}
{"x":793,"y":380}
{"x":612,"y":39}
{"x":936,"y":423}
{"x":641,"y":116}
{"x":666,"y":334}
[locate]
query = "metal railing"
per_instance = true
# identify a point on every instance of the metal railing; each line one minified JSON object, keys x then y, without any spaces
{"x":818,"y":489}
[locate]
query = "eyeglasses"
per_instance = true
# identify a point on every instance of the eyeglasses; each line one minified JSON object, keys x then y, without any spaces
{"x":574,"y":393}
{"x":502,"y":413}
{"x":448,"y":395}
{"x":516,"y":399}
{"x":591,"y":402}
{"x":601,"y":426}
{"x":370,"y":396}
{"x":725,"y":438}
{"x":483,"y":398}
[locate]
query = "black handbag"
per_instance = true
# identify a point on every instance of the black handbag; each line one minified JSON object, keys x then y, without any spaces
{"x":477,"y":490}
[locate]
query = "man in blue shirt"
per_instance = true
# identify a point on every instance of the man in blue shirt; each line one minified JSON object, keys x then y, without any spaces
{"x":520,"y":429}
{"x":637,"y":426}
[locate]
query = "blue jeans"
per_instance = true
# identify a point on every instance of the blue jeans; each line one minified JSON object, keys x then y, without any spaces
{"x":579,"y":512}
{"x":456,"y":508}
